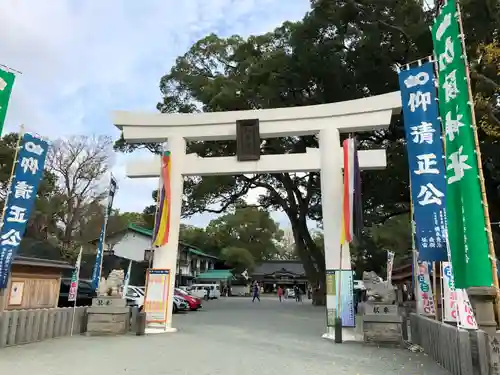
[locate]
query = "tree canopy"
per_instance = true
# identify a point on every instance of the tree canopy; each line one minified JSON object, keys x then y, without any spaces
{"x":341,"y":50}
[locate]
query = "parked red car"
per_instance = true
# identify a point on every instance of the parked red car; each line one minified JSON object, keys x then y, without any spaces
{"x":193,"y":302}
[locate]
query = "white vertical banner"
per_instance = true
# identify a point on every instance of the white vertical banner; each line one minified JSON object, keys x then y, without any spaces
{"x":73,"y":288}
{"x":457,"y":307}
{"x":390,"y":265}
{"x":126,"y":282}
{"x":425,"y":297}
{"x":450,"y":305}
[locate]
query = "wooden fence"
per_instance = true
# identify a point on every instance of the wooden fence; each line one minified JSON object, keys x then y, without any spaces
{"x":459,"y":351}
{"x":26,"y":326}
{"x":19,"y":327}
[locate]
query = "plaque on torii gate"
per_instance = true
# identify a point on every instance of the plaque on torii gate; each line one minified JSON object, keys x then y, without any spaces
{"x":247,"y":140}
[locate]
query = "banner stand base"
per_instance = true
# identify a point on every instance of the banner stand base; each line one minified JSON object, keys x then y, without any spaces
{"x":152,"y":331}
{"x":347,"y":334}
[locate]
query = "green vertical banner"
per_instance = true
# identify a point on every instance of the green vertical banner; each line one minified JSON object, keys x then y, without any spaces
{"x":6,"y":83}
{"x":467,"y":236}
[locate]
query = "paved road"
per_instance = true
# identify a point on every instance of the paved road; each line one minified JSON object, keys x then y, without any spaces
{"x":231,"y":337}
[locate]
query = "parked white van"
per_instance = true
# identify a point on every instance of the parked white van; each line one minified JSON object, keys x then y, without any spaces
{"x":200,"y":290}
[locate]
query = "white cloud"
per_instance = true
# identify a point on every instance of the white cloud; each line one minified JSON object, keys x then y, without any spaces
{"x":80,"y":60}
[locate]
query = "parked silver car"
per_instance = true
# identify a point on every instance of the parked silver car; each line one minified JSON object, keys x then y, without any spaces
{"x":179,"y":304}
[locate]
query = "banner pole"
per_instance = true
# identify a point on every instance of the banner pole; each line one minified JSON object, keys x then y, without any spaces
{"x":441,"y":286}
{"x":158,"y":197}
{"x":414,"y":257}
{"x":434,"y":287}
{"x":73,"y":317}
{"x":489,"y":233}
{"x":107,"y":212}
{"x":14,"y":161}
{"x":12,"y":70}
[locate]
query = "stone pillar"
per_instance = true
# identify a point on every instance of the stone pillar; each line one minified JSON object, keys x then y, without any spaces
{"x":331,"y":198}
{"x":166,"y":256}
{"x":482,"y":300}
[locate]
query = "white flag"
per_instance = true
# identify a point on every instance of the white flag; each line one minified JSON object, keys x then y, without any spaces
{"x":425,"y":297}
{"x":457,"y":307}
{"x":127,"y":280}
{"x":390,"y":265}
{"x":73,"y":289}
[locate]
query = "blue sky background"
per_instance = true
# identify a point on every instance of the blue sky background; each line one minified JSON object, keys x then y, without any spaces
{"x":82,"y":59}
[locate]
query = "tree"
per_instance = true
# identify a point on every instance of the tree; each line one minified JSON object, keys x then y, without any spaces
{"x":238,"y":258}
{"x":247,"y":227}
{"x":79,"y":164}
{"x":341,"y":50}
{"x":136,"y":218}
{"x":199,"y":238}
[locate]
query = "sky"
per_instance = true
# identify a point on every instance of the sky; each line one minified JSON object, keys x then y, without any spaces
{"x":80,"y":60}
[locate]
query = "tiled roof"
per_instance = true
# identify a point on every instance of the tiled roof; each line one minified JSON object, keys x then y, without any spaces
{"x":190,"y":248}
{"x":271,"y":266}
{"x":39,"y":262}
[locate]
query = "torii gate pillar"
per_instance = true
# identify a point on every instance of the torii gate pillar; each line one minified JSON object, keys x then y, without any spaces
{"x":326,"y":120}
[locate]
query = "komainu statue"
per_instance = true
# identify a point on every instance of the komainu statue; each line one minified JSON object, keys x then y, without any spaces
{"x":112,"y":285}
{"x":378,"y":290}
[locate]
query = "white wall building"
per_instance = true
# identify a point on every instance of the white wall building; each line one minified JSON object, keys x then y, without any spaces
{"x":135,"y":243}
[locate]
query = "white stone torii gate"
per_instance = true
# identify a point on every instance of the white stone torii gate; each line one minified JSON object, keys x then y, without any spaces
{"x":326,"y":120}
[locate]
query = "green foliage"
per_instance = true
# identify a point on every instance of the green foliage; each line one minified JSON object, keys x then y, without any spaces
{"x":238,"y":258}
{"x":247,"y":227}
{"x":199,"y":238}
{"x":394,"y":235}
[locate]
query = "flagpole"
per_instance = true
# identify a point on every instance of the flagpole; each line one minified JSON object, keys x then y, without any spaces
{"x":491,"y":245}
{"x":105,"y":224}
{"x":434,"y":287}
{"x":77,"y":272}
{"x":14,"y":161}
{"x":127,"y":279}
{"x":158,"y":202}
{"x":11,"y":69}
{"x":414,"y":255}
{"x":73,"y":317}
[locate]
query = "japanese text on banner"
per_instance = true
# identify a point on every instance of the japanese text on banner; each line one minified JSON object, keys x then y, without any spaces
{"x":464,"y":207}
{"x":23,"y":189}
{"x":457,"y":307}
{"x":425,"y":298}
{"x":426,"y":160}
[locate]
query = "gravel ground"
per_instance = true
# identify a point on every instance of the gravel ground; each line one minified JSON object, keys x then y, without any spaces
{"x":230,"y":336}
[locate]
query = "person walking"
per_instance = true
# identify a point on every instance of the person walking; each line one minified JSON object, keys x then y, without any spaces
{"x":256,"y":292}
{"x":296,"y":292}
{"x":207,"y":295}
{"x":280,"y":293}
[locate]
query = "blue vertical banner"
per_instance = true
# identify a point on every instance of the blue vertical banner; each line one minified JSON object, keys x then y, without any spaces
{"x":96,"y":271}
{"x":426,"y":160}
{"x":28,"y":173}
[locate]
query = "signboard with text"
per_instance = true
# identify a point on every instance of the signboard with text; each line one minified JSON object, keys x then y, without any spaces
{"x":28,"y":173}
{"x":156,"y":300}
{"x":426,"y":160}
